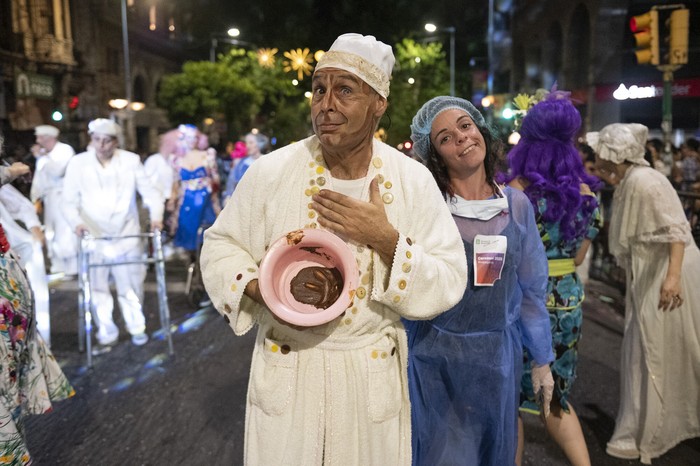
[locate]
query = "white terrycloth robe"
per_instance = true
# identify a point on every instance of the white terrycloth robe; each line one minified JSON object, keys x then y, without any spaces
{"x":335,"y":394}
{"x":660,"y":371}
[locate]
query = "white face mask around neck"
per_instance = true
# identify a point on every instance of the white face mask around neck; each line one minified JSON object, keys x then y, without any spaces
{"x":481,"y":210}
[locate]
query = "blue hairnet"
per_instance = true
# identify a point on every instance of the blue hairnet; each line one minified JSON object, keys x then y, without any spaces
{"x":423,"y":121}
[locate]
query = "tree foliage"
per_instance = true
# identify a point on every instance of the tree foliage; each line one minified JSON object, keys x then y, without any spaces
{"x":237,"y":90}
{"x":427,"y":66}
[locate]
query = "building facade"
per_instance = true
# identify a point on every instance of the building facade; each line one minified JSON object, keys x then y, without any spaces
{"x":63,"y":62}
{"x":587,"y":47}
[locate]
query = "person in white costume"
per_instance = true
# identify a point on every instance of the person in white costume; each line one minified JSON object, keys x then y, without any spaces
{"x":160,"y":169}
{"x":99,"y":198}
{"x":650,"y":238}
{"x":336,"y":394}
{"x":47,"y":186}
{"x":28,"y":243}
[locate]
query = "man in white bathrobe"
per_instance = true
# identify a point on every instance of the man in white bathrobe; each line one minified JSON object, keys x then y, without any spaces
{"x":336,"y":394}
{"x":47,"y":186}
{"x":99,"y":198}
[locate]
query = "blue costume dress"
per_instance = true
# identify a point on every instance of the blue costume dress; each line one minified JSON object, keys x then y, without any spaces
{"x":464,"y":365}
{"x":564,"y":297}
{"x":236,"y":174}
{"x":196,"y":208}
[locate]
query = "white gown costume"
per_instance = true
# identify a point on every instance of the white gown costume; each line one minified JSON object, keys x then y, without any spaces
{"x":14,"y":206}
{"x":161,"y":172}
{"x":660,"y":387}
{"x":47,"y":186}
{"x":104,"y":199}
{"x":335,"y":394}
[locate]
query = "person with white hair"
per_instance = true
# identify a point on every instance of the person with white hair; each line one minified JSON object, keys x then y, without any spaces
{"x":649,"y":236}
{"x":336,"y":393}
{"x":256,"y":145}
{"x":47,"y":186}
{"x":99,"y":198}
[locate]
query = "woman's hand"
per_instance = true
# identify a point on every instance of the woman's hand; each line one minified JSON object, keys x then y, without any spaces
{"x":670,"y":297}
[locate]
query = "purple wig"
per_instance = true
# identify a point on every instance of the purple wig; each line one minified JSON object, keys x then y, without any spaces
{"x":547,"y":158}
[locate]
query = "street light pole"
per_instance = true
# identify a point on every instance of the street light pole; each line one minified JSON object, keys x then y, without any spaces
{"x":432,"y":28}
{"x":451,"y":30}
{"x":127,"y":63}
{"x":489,"y":42}
{"x":232,"y":32}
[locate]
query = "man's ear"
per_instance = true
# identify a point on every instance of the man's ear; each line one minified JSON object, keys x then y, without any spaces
{"x":380,"y":107}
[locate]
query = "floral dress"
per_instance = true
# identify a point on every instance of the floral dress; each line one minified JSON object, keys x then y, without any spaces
{"x":564,"y":297}
{"x":30,"y":377}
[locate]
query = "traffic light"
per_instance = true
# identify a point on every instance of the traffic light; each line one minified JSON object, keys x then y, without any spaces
{"x":646,"y":36}
{"x":73,"y":102}
{"x":678,"y":37}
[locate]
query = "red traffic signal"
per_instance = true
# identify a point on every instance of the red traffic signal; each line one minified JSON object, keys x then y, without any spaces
{"x":74,"y":102}
{"x":646,"y":36}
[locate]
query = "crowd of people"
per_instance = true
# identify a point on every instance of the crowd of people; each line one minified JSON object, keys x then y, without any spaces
{"x":468,"y":309}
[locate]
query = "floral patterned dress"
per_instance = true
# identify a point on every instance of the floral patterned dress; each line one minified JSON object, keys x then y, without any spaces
{"x":30,"y":377}
{"x":564,"y":297}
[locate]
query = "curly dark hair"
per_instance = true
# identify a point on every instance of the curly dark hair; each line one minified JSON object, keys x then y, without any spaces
{"x":494,"y":151}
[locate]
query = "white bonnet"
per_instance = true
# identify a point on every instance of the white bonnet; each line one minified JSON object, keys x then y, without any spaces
{"x":364,"y":56}
{"x":104,"y":126}
{"x":620,"y":142}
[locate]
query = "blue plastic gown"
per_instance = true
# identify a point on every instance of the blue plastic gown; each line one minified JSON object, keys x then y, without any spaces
{"x":196,"y":209}
{"x":465,"y":365}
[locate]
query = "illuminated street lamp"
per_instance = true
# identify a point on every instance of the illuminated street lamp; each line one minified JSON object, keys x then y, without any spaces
{"x":451,"y":30}
{"x":231,"y":34}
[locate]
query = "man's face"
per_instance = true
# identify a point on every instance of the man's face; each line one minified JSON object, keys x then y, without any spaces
{"x":46,"y":142}
{"x":344,"y":109}
{"x":103,"y":144}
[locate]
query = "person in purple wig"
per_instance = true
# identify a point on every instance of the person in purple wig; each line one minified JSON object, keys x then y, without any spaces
{"x":546,"y":165}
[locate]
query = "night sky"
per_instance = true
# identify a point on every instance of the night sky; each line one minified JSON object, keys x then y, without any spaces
{"x":287,"y":24}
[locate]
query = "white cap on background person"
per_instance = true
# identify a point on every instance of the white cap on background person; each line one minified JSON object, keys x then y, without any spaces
{"x":46,"y":130}
{"x":104,"y":126}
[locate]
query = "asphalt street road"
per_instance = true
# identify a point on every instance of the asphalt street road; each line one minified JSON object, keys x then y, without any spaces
{"x":140,"y":406}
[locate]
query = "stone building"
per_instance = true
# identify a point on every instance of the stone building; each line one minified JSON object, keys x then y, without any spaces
{"x":62,"y":62}
{"x":587,"y":47}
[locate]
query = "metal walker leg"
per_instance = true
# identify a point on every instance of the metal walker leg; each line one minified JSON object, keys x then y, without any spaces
{"x":85,"y":292}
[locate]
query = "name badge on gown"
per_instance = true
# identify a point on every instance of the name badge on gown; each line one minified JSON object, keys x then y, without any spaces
{"x":489,"y":257}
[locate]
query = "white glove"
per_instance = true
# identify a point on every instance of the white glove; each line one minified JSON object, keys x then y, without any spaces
{"x":542,"y":380}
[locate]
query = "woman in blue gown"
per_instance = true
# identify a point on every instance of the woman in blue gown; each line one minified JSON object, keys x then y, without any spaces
{"x":196,"y":186}
{"x":464,"y":365}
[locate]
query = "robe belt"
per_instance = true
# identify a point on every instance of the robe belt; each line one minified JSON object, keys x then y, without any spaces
{"x":559,"y":267}
{"x":344,"y":343}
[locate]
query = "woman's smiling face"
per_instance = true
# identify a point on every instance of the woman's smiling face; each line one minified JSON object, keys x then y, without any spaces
{"x":458,"y":140}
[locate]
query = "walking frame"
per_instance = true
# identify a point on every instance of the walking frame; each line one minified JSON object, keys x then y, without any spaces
{"x":85,"y":317}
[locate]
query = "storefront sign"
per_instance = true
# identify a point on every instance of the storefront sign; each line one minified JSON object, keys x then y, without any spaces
{"x":679,"y":89}
{"x":34,"y":85}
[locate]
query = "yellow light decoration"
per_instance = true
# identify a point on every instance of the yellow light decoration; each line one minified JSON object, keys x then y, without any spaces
{"x":299,"y":61}
{"x":266,"y":57}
